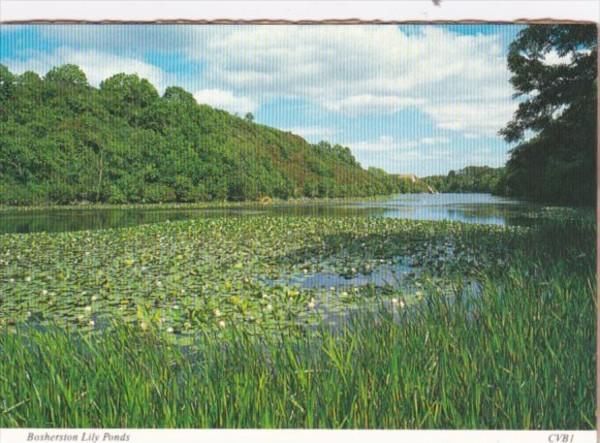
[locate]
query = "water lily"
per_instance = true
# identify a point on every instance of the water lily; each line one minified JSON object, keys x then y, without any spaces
{"x":91,"y":323}
{"x":170,"y":330}
{"x":217,"y":313}
{"x":28,"y":279}
{"x":44,"y":292}
{"x":221,"y":324}
{"x":311,"y":304}
{"x":88,"y":308}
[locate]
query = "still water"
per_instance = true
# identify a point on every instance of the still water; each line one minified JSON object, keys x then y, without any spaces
{"x":470,"y":208}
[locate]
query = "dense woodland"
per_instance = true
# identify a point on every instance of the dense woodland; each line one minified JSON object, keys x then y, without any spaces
{"x":469,"y":179}
{"x":555,"y":125}
{"x":64,"y":141}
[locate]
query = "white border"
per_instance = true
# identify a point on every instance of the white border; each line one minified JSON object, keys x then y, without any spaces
{"x":303,"y":436}
{"x":399,"y":10}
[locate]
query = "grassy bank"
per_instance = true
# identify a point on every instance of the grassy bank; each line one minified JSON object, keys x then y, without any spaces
{"x":518,"y":355}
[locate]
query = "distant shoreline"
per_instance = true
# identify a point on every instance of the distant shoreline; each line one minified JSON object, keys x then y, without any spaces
{"x":202,"y":204}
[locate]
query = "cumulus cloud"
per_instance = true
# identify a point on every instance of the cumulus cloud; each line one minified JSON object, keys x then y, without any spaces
{"x":386,"y":143}
{"x":97,"y":65}
{"x":459,"y":81}
{"x":313,"y":132}
{"x":366,"y":104}
{"x":225,"y":100}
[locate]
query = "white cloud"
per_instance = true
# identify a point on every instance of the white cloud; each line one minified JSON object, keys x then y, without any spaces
{"x":471,"y":117}
{"x":382,"y":144}
{"x":459,"y":81}
{"x":97,"y":65}
{"x":313,"y":132}
{"x":435,"y":140}
{"x":225,"y":100}
{"x":426,"y":155}
{"x":386,"y":143}
{"x":370,"y":104}
{"x":366,"y":70}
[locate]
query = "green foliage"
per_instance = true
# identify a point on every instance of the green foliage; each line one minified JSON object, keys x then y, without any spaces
{"x":519,"y":356}
{"x":63,"y":141}
{"x":67,"y":75}
{"x":558,"y":162}
{"x":469,"y":179}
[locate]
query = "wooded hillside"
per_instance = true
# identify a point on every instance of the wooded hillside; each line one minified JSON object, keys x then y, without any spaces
{"x":64,"y":141}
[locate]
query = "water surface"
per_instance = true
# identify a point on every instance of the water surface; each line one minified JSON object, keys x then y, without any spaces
{"x":469,"y":208}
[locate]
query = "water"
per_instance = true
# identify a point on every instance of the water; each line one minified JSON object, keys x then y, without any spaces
{"x":470,"y":208}
{"x":388,"y":274}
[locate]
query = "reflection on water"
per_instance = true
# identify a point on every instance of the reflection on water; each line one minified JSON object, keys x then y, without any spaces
{"x":470,"y":208}
{"x":392,"y":275}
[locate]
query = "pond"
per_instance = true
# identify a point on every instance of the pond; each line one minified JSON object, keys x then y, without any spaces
{"x":470,"y":208}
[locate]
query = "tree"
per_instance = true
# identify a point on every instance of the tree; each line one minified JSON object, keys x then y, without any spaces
{"x":63,"y":141}
{"x":67,"y":75}
{"x":554,"y":72}
{"x":7,"y":83}
{"x":177,"y":94}
{"x":126,"y":95}
{"x":249,"y":117}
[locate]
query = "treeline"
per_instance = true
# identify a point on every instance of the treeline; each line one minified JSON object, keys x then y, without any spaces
{"x":64,"y":141}
{"x":482,"y":179}
{"x":555,"y":125}
{"x":402,"y":184}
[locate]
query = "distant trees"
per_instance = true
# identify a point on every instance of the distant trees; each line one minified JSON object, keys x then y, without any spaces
{"x":64,"y":141}
{"x":470,"y":179}
{"x":554,"y":71}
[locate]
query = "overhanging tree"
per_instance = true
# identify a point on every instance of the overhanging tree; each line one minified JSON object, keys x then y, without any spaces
{"x":554,"y":72}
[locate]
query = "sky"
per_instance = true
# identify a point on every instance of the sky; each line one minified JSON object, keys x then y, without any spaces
{"x":420,"y":99}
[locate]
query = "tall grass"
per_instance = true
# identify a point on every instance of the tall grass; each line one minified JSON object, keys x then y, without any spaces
{"x":520,"y":355}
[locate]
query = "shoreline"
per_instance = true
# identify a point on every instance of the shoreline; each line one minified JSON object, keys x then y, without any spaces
{"x":306,"y":201}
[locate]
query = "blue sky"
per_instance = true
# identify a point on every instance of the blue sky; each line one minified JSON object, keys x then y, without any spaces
{"x":409,"y":99}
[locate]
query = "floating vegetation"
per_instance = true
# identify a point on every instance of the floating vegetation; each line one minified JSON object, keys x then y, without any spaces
{"x":214,"y":302}
{"x":518,"y":357}
{"x":256,"y":269}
